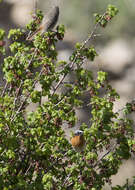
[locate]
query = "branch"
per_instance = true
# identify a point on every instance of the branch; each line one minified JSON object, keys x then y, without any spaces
{"x":78,"y":52}
{"x":24,"y":101}
{"x":21,"y":81}
{"x":4,"y":90}
{"x":100,"y":159}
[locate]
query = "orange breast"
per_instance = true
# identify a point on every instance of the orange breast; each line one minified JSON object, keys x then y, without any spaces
{"x":77,"y":141}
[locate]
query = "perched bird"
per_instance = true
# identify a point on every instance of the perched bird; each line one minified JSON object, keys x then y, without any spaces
{"x":48,"y":23}
{"x":78,"y":141}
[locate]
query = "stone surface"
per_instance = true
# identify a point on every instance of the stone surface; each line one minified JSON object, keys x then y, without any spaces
{"x":116,"y":55}
{"x":21,"y":13}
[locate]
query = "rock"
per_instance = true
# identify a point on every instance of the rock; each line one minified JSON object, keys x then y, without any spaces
{"x":116,"y":56}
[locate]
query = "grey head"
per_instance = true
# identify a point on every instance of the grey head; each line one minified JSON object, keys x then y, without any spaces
{"x":78,"y":133}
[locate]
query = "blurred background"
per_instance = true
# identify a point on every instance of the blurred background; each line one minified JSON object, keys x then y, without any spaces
{"x":115,"y":45}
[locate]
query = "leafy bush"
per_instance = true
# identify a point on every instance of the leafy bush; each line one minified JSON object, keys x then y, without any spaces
{"x":34,"y":151}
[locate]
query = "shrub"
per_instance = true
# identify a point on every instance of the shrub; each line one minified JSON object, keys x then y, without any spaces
{"x":34,"y":151}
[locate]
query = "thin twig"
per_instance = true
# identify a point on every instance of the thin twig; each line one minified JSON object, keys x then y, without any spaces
{"x":18,"y":92}
{"x":4,"y":90}
{"x":23,"y":102}
{"x":66,"y":179}
{"x":21,"y":84}
{"x":28,"y":168}
{"x":105,"y":155}
{"x":78,"y":52}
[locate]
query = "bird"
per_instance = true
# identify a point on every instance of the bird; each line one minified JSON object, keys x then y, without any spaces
{"x":78,"y":141}
{"x":48,"y":23}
